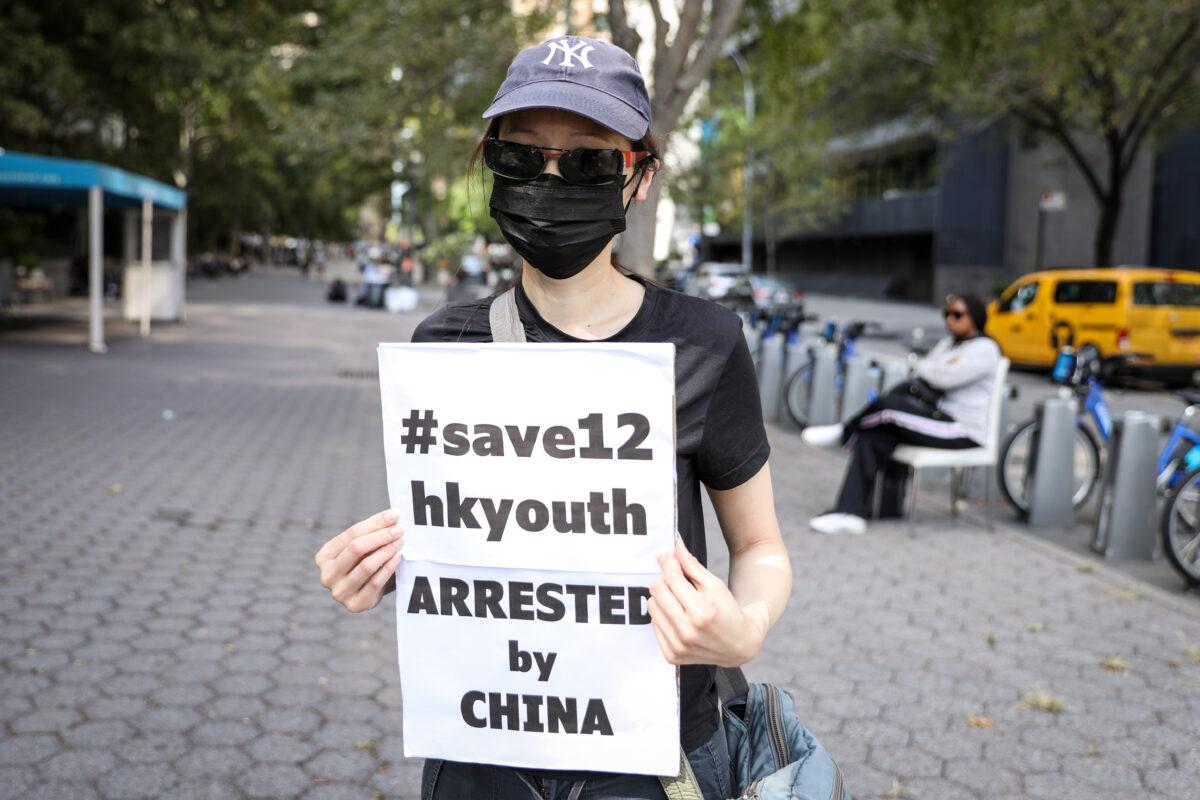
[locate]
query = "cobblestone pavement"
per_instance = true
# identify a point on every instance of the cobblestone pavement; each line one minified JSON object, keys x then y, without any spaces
{"x":163,"y":633}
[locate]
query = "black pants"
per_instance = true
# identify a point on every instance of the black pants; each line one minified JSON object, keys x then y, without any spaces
{"x":894,"y":419}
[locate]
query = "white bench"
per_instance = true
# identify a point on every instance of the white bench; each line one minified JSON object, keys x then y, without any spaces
{"x":927,"y":457}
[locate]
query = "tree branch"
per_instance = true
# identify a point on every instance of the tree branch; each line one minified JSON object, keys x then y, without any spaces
{"x":1059,"y":130}
{"x":718,"y":31}
{"x":675,"y":57}
{"x":1157,"y":75}
{"x":660,"y":37}
{"x":1133,"y":140}
{"x":624,"y":35}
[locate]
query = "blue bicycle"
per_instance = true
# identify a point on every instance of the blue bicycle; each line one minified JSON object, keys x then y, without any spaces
{"x":1178,"y":471}
{"x":798,"y":392}
{"x":1081,"y":375}
{"x":1179,"y":480}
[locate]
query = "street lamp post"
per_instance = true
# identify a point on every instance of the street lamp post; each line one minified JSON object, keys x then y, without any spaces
{"x":748,"y":169}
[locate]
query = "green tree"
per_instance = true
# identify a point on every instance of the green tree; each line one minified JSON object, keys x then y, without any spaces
{"x":1111,"y":71}
{"x":786,"y":53}
{"x":274,"y":115}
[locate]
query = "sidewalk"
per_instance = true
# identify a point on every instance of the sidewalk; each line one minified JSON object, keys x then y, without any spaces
{"x":163,"y":633}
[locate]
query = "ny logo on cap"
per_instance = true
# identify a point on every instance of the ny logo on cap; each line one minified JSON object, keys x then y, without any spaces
{"x":578,"y":51}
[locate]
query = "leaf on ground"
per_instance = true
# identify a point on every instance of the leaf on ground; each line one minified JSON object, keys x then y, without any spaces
{"x":114,"y":489}
{"x":1174,"y":663}
{"x":1092,"y":750}
{"x":991,"y":639}
{"x":1193,"y":653}
{"x":1115,"y":664}
{"x":1128,"y":593}
{"x":980,"y":721}
{"x":367,"y":746}
{"x":1039,"y":700}
{"x":897,"y":789}
{"x":1036,"y":627}
{"x":1085,"y":568}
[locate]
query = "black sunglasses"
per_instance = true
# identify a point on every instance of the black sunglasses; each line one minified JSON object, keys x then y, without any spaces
{"x":524,"y":162}
{"x":951,"y":313}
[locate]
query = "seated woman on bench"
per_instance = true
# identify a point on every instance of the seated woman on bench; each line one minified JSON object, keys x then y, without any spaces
{"x":944,"y":405}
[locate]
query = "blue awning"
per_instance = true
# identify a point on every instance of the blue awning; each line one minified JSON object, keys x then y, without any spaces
{"x":45,"y":180}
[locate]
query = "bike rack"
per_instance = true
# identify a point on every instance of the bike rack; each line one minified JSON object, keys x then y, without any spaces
{"x":770,"y":376}
{"x":856,"y":385}
{"x":1053,"y":463}
{"x":795,"y":356}
{"x":822,"y":403}
{"x":1125,"y":525}
{"x":753,"y":338}
{"x":894,"y":374}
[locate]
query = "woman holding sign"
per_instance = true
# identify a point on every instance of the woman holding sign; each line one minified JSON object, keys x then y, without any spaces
{"x":570,"y":148}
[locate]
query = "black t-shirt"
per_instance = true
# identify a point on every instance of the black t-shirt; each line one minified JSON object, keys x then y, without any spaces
{"x":720,"y":438}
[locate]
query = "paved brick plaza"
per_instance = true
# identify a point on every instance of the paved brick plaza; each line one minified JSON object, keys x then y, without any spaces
{"x":163,"y":632}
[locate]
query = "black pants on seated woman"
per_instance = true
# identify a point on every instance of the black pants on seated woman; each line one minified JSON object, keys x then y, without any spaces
{"x":873,"y":435}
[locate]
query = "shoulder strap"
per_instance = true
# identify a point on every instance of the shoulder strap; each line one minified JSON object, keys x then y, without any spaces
{"x":731,"y":683}
{"x":504,"y":319}
{"x":683,"y":786}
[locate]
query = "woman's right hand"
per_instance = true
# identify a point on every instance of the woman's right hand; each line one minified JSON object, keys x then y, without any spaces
{"x":356,"y":564}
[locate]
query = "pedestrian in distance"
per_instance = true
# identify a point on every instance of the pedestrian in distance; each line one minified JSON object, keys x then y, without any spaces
{"x":944,"y":405}
{"x":570,"y":148}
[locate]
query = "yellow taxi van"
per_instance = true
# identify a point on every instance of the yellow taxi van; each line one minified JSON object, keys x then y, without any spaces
{"x":1148,"y":317}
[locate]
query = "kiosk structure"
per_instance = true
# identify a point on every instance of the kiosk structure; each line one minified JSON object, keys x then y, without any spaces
{"x":32,"y":180}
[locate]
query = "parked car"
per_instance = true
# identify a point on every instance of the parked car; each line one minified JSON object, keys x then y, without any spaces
{"x":772,"y":292}
{"x":726,"y":283}
{"x":1143,"y":321}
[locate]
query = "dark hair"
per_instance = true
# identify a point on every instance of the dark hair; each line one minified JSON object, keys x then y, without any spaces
{"x":976,"y":309}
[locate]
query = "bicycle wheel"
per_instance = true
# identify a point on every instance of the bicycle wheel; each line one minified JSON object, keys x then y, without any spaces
{"x":796,"y":393}
{"x":1015,"y":461}
{"x":1179,"y":527}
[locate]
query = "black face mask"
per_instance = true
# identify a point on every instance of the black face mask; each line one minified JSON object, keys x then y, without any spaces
{"x":557,"y":227}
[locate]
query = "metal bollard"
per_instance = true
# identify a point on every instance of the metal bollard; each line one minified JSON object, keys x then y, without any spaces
{"x":894,"y":374}
{"x":753,"y":340}
{"x":1125,"y":524}
{"x":1053,"y":478}
{"x":795,"y":356}
{"x":770,"y":376}
{"x":1006,"y":401}
{"x":822,"y":403}
{"x":856,"y":386}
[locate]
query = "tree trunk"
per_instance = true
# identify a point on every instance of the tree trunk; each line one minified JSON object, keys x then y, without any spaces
{"x":636,"y":248}
{"x":1106,"y":229}
{"x":678,"y":69}
{"x":1110,"y":203}
{"x":770,"y":241}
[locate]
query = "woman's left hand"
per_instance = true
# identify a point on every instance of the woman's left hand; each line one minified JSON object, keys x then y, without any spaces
{"x":696,"y":618}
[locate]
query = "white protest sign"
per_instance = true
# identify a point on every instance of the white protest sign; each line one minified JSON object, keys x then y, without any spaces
{"x":572,"y":679}
{"x":536,"y":485}
{"x":538,"y":456}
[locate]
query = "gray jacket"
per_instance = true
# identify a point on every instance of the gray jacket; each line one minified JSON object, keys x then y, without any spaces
{"x":966,"y":372}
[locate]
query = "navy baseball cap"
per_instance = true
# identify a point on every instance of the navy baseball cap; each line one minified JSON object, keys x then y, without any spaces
{"x":588,"y":77}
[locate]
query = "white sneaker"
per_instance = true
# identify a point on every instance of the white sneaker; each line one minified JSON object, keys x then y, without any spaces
{"x":838,"y":524}
{"x":823,"y":435}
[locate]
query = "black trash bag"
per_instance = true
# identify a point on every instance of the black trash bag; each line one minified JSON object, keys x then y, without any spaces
{"x":336,"y":292}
